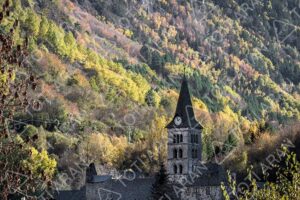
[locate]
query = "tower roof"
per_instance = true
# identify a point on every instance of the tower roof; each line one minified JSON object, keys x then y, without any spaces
{"x":185,"y":110}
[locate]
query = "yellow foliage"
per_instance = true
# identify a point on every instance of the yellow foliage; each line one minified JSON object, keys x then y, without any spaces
{"x":199,"y":105}
{"x":128,"y":33}
{"x":227,"y":110}
{"x":172,"y":32}
{"x":5,"y":81}
{"x":101,"y":148}
{"x":40,"y":164}
{"x":158,"y":138}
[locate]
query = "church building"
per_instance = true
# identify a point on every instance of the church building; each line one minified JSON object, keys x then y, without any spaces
{"x":194,"y":179}
{"x":185,"y":165}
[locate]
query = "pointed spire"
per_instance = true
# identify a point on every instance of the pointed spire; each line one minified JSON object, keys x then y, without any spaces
{"x":184,"y":110}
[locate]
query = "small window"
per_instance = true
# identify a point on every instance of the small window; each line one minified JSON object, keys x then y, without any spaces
{"x":194,"y":153}
{"x":174,"y":138}
{"x":174,"y":153}
{"x":178,"y":138}
{"x":180,"y":153}
{"x":181,"y":138}
{"x":175,"y":169}
{"x":180,"y":169}
{"x":194,"y":138}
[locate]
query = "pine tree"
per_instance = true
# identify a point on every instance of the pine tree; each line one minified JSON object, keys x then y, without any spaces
{"x":146,"y":54}
{"x":157,"y":62}
{"x":152,"y":98}
{"x":230,"y":143}
{"x":162,"y":188}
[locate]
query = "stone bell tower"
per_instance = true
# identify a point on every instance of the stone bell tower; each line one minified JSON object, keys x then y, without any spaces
{"x":184,"y":137}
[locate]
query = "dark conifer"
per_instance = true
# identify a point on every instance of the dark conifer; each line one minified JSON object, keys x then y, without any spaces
{"x":162,"y":189}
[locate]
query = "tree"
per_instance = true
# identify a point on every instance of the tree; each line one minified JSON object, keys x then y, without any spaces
{"x":157,"y":62}
{"x":286,"y":185}
{"x":55,"y":38}
{"x":32,"y":23}
{"x":70,"y":42}
{"x":101,"y":148}
{"x":230,"y":143}
{"x":40,"y":161}
{"x":119,"y":8}
{"x":15,"y":177}
{"x":146,"y":54}
{"x":208,"y":148}
{"x":44,"y":27}
{"x":152,"y":98}
{"x":162,"y":188}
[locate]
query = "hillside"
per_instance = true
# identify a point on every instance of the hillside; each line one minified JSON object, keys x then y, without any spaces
{"x":109,"y":73}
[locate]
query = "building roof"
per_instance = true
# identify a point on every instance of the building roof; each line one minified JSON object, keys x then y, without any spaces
{"x":213,"y":175}
{"x":100,"y":179}
{"x":70,"y":195}
{"x":139,"y":188}
{"x":185,"y":110}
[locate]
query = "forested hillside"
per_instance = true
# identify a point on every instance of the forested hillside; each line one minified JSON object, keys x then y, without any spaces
{"x":108,"y":76}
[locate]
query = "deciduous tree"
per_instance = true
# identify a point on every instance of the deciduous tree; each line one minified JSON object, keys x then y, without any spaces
{"x":17,"y":177}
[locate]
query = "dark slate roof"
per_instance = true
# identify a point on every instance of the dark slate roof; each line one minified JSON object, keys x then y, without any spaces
{"x":100,"y":179}
{"x":213,"y":175}
{"x":185,"y":110}
{"x":70,"y":195}
{"x":137,"y":189}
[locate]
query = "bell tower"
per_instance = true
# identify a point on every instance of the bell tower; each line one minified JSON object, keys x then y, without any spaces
{"x":184,"y":136}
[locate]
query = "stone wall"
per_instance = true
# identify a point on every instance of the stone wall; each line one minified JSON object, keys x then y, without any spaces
{"x":205,"y":193}
{"x":186,"y":161}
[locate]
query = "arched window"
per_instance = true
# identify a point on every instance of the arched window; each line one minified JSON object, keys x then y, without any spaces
{"x":194,"y":153}
{"x":180,"y":153}
{"x":175,"y":169}
{"x":192,"y":138}
{"x":174,"y":138}
{"x":195,"y":138}
{"x":174,"y":153}
{"x":180,"y":169}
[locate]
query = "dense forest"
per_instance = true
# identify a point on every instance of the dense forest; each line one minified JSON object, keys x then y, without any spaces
{"x":106,"y":77}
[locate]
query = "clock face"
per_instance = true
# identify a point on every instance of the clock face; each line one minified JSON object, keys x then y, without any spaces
{"x":178,"y":120}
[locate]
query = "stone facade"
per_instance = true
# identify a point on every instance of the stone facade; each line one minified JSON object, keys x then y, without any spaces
{"x":184,"y":150}
{"x":205,"y":192}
